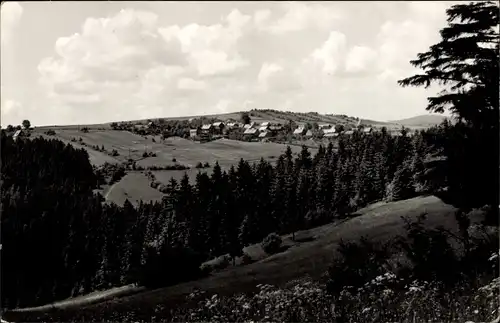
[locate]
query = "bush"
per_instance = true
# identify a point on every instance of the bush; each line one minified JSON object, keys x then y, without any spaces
{"x":357,"y":263}
{"x":246,"y":259}
{"x":114,"y":153}
{"x":145,"y":154}
{"x":169,"y":265}
{"x":199,"y":165}
{"x":174,"y":160}
{"x":272,"y":243}
{"x":206,"y":165}
{"x":50,"y":132}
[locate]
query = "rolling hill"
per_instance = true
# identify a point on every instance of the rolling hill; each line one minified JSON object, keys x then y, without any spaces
{"x":423,"y":121}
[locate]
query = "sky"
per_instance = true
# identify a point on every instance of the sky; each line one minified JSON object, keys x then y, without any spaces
{"x":95,"y":62}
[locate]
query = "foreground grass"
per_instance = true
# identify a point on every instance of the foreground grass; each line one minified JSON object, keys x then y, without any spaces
{"x":384,"y":299}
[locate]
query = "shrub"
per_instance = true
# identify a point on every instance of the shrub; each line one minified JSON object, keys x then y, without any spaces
{"x":199,"y":165}
{"x":174,"y":160}
{"x":246,"y":259}
{"x":145,"y":154}
{"x":50,"y":132}
{"x":357,"y":263}
{"x":167,"y":265}
{"x":114,"y":153}
{"x":206,"y":165}
{"x":272,"y":243}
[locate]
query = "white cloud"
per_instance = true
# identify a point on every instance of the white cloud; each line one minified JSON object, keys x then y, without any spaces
{"x":13,"y":112}
{"x":190,"y":84}
{"x":210,"y":62}
{"x":295,"y":55}
{"x":211,"y":49}
{"x":11,"y":13}
{"x":330,"y":55}
{"x":360,"y":59}
{"x":301,"y":15}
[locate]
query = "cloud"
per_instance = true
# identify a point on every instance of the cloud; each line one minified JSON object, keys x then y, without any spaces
{"x":190,"y":84}
{"x":296,"y":55}
{"x":300,"y":15}
{"x":13,"y":112}
{"x":360,"y":59}
{"x":11,"y":13}
{"x":211,"y":49}
{"x":330,"y":55}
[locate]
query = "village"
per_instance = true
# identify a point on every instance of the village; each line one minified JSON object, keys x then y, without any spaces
{"x":198,"y":130}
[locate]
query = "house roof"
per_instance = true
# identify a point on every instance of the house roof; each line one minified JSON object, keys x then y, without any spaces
{"x":263,"y":128}
{"x":193,"y":130}
{"x":206,"y":126}
{"x":324,"y":125}
{"x":369,"y":129}
{"x":263,"y":134}
{"x":349,"y":132}
{"x":217,"y":124}
{"x":329,"y":130}
{"x":17,"y":133}
{"x":264,"y":124}
{"x":298,"y":130}
{"x":330,"y":134}
{"x":309,"y":133}
{"x":277,"y":127}
{"x":250,"y":131}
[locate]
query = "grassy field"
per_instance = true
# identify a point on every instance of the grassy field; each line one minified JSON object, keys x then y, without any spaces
{"x":134,"y":186}
{"x":312,"y":257}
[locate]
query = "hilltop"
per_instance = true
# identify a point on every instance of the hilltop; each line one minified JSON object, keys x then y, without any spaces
{"x":423,"y":121}
{"x":258,"y":116}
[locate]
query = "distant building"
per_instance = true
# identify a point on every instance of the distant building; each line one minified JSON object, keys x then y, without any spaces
{"x":308,"y":134}
{"x":299,"y":131}
{"x":194,"y":132}
{"x":18,"y":134}
{"x":324,"y":126}
{"x":263,"y":128}
{"x":206,"y":128}
{"x":251,"y":132}
{"x":276,"y":127}
{"x":265,"y":134}
{"x":265,"y":124}
{"x":349,"y":132}
{"x":368,"y":130}
{"x":249,"y":125}
{"x":218,"y":127}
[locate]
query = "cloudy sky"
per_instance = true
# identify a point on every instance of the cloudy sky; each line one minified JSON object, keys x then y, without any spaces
{"x":92,"y":62}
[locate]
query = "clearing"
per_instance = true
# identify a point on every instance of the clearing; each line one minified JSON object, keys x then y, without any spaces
{"x":312,"y":257}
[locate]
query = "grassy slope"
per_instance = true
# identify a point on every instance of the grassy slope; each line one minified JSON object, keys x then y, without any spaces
{"x":378,"y":221}
{"x":135,"y":185}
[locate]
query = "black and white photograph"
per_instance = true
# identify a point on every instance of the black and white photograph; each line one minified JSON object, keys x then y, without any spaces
{"x":250,"y":161}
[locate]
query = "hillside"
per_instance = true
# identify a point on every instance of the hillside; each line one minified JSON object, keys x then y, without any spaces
{"x":311,"y":257}
{"x":258,"y":116}
{"x":423,"y":121}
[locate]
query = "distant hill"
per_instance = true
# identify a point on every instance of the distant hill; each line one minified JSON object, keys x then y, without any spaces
{"x":426,"y":120}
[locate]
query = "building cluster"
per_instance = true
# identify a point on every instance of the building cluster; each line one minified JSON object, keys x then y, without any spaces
{"x":265,"y":130}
